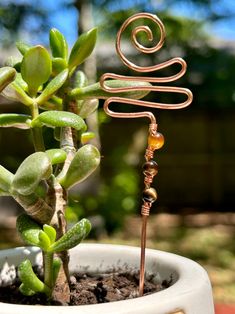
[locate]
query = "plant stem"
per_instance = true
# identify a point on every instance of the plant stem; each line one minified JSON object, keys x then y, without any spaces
{"x":48,"y":269}
{"x":36,"y":207}
{"x":68,"y":137}
{"x":38,"y":141}
{"x":68,"y":144}
{"x":57,"y":198}
{"x":71,"y":106}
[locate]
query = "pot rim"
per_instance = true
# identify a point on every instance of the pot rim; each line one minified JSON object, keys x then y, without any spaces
{"x":191,"y":277}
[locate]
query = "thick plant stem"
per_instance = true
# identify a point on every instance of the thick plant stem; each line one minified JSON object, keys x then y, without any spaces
{"x":68,"y":140}
{"x":36,"y":207}
{"x":67,"y":145}
{"x":58,"y":199}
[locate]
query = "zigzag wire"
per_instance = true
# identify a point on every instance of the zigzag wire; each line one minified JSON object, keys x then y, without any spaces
{"x":130,"y":65}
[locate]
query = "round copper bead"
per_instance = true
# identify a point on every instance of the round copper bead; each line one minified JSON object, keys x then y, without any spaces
{"x":149,"y":195}
{"x":150,"y":168}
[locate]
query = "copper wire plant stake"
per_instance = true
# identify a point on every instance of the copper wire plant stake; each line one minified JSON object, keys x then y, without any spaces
{"x":155,"y":139}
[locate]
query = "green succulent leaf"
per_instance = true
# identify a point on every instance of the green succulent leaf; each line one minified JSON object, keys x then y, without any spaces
{"x":26,"y":290}
{"x":16,"y":93}
{"x":28,"y":229}
{"x":19,"y":80}
{"x":7,"y":75}
{"x":56,"y":155}
{"x":58,"y":44}
{"x":95,"y":90}
{"x":12,"y":62}
{"x":86,"y":137}
{"x":72,"y":237}
{"x":88,"y":107}
{"x":82,"y":48}
{"x":54,"y":103}
{"x":15,"y":120}
{"x":44,"y":241}
{"x":36,"y":68}
{"x":51,"y":232}
{"x":22,"y":47}
{"x":59,"y":119}
{"x":56,"y":268}
{"x":30,"y":280}
{"x":33,"y":169}
{"x":58,"y":65}
{"x":6,"y":178}
{"x":80,"y":79}
{"x":85,"y":161}
{"x":52,"y":87}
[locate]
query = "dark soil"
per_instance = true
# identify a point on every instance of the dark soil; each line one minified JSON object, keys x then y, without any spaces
{"x":88,"y":290}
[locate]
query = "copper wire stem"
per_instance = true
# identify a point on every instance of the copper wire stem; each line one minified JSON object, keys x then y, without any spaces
{"x":155,"y":88}
{"x":145,"y":210}
{"x":142,"y":254}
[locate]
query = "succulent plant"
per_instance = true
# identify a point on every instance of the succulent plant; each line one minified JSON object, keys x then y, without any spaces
{"x":57,"y":95}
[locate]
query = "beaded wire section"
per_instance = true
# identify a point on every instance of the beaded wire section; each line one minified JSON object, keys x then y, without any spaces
{"x":155,"y":139}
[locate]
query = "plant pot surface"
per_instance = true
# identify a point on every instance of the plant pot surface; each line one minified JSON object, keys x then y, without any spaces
{"x":190,"y":292}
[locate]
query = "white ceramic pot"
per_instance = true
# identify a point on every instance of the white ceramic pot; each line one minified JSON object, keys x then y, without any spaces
{"x":190,"y":292}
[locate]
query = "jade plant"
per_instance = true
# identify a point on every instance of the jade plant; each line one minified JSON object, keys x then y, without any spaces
{"x":56,"y":94}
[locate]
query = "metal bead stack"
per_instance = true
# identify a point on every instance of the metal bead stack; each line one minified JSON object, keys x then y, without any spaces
{"x":150,"y":167}
{"x":150,"y":170}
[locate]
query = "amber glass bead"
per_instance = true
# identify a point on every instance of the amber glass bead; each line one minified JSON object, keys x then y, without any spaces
{"x":149,"y":195}
{"x":156,"y":141}
{"x":150,"y":168}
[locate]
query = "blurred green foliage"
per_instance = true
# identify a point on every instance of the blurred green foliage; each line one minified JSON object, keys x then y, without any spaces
{"x":14,"y":17}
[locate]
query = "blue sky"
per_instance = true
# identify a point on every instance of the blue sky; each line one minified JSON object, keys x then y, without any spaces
{"x":66,"y":19}
{"x":224,"y":28}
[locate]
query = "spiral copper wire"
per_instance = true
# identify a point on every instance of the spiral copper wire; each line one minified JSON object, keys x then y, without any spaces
{"x":145,"y":210}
